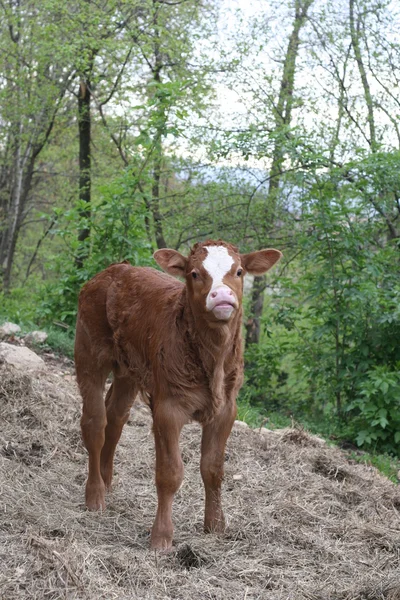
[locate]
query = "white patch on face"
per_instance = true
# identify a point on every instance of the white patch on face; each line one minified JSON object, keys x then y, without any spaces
{"x":221,"y":299}
{"x":217,"y":263}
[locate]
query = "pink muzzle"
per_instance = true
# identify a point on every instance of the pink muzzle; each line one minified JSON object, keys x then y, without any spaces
{"x":222,"y":302}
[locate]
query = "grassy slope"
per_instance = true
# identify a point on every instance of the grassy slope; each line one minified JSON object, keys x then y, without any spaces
{"x":304,"y":520}
{"x":61,"y":342}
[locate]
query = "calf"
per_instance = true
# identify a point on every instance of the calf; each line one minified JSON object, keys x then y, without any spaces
{"x":177,"y":344}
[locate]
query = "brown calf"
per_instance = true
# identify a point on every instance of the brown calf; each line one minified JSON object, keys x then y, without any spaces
{"x":179,"y":346}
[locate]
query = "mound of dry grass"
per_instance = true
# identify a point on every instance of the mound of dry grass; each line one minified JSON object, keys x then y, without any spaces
{"x":304,"y":522}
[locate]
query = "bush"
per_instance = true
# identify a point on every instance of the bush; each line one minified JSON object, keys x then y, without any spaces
{"x":375,"y":413}
{"x":17,"y":306}
{"x":117,"y":233}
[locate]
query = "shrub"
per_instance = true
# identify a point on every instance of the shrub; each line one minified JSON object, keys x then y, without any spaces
{"x":117,"y":233}
{"x":376,"y":410}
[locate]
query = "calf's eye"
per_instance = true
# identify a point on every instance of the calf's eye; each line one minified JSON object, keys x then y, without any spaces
{"x":194,"y":274}
{"x":240,"y":271}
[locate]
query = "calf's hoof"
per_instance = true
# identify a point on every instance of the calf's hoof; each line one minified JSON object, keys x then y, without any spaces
{"x":161,"y":541}
{"x":95,"y":495}
{"x":163,"y":547}
{"x":106,"y":475}
{"x":214,"y":525}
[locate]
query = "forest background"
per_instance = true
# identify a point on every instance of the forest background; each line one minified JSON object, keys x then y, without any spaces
{"x":127,"y":126}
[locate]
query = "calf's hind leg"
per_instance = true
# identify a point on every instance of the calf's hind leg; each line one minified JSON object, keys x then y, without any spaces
{"x":91,"y":378}
{"x":93,"y":424}
{"x":119,"y":400}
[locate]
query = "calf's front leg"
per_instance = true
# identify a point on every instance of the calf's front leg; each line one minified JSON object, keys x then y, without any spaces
{"x":167,"y":425}
{"x":215,"y":435}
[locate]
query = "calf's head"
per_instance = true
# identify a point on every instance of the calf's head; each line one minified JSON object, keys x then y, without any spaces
{"x":214,"y":272}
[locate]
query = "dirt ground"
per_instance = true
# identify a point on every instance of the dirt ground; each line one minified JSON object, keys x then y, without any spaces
{"x":304,"y":521}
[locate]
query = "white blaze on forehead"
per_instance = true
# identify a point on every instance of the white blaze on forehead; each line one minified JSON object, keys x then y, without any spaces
{"x":217,"y":263}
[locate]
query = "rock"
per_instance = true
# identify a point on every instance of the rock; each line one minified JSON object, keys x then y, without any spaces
{"x":8,"y":329}
{"x":38,"y":337}
{"x":318,"y":440}
{"x":265,"y":431}
{"x":20,"y":357}
{"x":241,"y":424}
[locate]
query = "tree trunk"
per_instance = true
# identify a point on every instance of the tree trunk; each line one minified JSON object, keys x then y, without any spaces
{"x":21,"y":174}
{"x":355,"y":41}
{"x":157,"y":149}
{"x":84,"y":126}
{"x":253,"y":325}
{"x":282,"y":120}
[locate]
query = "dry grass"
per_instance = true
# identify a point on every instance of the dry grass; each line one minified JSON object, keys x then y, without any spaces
{"x":304,"y":523}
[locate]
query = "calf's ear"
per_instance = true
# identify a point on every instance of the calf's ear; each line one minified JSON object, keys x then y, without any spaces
{"x":257,"y":263}
{"x":171,"y":261}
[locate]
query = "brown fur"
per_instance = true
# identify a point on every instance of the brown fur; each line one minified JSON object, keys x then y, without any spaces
{"x":156,"y":336}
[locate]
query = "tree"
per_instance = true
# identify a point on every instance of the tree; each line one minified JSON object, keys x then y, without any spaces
{"x":170,"y":86}
{"x":103,"y":56}
{"x":32,"y":90}
{"x":282,"y":118}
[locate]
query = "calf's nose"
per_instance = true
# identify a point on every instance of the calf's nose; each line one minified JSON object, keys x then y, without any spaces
{"x":222,"y":293}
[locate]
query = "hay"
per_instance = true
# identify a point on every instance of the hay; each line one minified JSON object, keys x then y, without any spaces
{"x":304,"y":522}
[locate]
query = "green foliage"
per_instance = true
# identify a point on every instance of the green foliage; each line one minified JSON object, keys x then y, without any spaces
{"x":118,"y":233}
{"x":17,"y":306}
{"x":341,"y":313}
{"x":60,"y":340}
{"x":263,"y":373}
{"x":376,"y":409}
{"x":385,"y":463}
{"x":249,"y":413}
